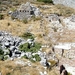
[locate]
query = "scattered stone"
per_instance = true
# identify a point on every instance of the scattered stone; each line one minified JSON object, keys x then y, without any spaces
{"x":7,"y":44}
{"x":69,"y":3}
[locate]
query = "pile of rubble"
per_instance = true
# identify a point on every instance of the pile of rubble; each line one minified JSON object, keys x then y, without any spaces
{"x":26,"y":11}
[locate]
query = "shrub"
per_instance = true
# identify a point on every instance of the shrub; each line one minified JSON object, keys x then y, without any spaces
{"x":37,"y":57}
{"x":25,"y":21}
{"x":33,"y":49}
{"x":45,"y":1}
{"x":28,"y":35}
{"x":1,"y":16}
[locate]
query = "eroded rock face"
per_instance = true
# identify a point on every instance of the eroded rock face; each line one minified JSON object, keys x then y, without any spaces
{"x":69,"y":3}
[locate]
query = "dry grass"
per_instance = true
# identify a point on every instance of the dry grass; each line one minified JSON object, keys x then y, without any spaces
{"x":15,"y":69}
{"x":65,"y":11}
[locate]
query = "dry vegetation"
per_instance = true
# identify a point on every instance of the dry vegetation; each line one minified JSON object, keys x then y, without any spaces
{"x":17,"y":28}
{"x":11,"y":68}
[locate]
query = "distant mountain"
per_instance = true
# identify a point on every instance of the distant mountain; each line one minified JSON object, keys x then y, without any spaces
{"x":69,"y":3}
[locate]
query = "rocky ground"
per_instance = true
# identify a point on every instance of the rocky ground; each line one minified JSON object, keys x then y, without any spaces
{"x":55,"y":28}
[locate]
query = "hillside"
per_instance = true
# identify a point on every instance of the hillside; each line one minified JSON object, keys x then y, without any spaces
{"x":36,"y":36}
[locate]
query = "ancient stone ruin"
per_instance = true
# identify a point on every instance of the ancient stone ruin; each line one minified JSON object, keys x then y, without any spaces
{"x":26,"y":11}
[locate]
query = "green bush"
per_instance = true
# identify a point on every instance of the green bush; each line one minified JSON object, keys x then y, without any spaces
{"x":45,"y":1}
{"x":33,"y":49}
{"x":1,"y":16}
{"x":28,"y":35}
{"x":37,"y":57}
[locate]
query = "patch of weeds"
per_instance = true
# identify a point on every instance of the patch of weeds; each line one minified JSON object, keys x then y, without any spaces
{"x":25,"y":21}
{"x":28,"y":35}
{"x":46,"y":1}
{"x":33,"y":49}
